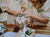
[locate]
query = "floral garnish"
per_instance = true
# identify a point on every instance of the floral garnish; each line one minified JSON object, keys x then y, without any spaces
{"x":3,"y":27}
{"x":40,"y":9}
{"x":28,"y":32}
{"x":21,"y":15}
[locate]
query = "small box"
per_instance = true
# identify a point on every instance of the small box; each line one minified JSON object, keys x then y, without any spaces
{"x":20,"y":22}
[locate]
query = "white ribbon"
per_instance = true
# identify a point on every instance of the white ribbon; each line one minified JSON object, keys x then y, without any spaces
{"x":2,"y":31}
{"x":24,"y":29}
{"x":22,"y":18}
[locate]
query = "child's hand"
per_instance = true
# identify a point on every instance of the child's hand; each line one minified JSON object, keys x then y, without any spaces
{"x":29,"y":14}
{"x":16,"y":13}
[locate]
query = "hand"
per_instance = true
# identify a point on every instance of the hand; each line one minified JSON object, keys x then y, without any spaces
{"x":29,"y":14}
{"x":31,"y":25}
{"x":15,"y":13}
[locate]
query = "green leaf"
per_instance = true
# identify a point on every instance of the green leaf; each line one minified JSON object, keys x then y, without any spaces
{"x":28,"y":32}
{"x":3,"y":27}
{"x":20,"y":16}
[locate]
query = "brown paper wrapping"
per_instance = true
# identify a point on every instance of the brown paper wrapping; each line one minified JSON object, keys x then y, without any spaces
{"x":3,"y":30}
{"x":10,"y":29}
{"x":19,"y":34}
{"x":20,"y":22}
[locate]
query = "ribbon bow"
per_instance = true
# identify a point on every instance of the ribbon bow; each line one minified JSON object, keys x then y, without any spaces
{"x":24,"y":29}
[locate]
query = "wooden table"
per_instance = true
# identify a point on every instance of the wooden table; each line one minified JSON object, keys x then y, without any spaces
{"x":42,"y":30}
{"x":38,"y":29}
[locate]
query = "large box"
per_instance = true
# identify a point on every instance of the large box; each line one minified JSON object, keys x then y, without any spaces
{"x":19,"y":33}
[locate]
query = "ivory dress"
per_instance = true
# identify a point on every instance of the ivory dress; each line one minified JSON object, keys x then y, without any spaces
{"x":14,"y":5}
{"x":45,"y":13}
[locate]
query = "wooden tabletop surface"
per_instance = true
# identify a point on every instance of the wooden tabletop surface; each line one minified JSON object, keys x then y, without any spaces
{"x":38,"y":29}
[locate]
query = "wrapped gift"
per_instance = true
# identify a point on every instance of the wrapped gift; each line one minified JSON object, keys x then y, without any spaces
{"x":21,"y":21}
{"x":29,"y":33}
{"x":2,"y":29}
